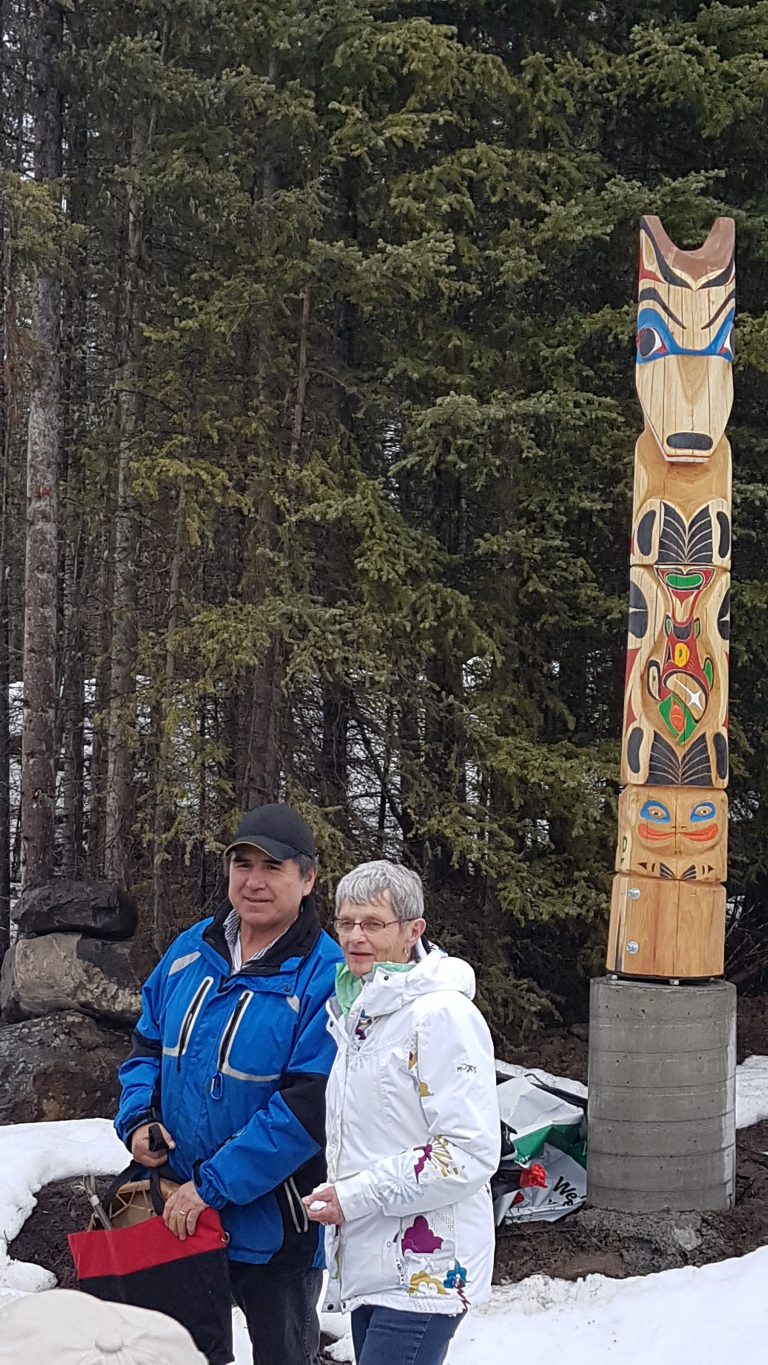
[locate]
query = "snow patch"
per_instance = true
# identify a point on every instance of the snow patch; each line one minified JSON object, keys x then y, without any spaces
{"x":31,"y":1156}
{"x":751,"y":1092}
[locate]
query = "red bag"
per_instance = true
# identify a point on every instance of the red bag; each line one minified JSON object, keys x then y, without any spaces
{"x":144,"y":1264}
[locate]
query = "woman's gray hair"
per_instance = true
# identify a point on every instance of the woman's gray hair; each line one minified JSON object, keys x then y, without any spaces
{"x":369,"y":881}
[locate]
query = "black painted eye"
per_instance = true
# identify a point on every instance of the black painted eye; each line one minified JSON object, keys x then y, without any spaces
{"x":650,"y":343}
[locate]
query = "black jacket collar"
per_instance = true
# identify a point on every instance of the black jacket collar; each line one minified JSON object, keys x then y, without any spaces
{"x":297,"y":941}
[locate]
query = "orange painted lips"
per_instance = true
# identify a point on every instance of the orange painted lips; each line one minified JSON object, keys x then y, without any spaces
{"x":702,"y":836}
{"x":654,"y":835}
{"x":658,"y":836}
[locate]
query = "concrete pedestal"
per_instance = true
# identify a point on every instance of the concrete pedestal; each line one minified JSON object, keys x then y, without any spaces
{"x":662,"y":1095}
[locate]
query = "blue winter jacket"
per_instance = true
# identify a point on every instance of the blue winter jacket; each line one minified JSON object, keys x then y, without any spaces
{"x":235,"y":1065}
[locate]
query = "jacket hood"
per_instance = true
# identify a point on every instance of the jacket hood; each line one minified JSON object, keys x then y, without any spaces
{"x":387,"y":991}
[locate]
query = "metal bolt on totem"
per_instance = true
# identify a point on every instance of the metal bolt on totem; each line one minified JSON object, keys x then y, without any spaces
{"x":662,"y":1035}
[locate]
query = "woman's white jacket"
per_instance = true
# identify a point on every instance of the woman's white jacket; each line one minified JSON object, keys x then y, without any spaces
{"x":413,"y":1138}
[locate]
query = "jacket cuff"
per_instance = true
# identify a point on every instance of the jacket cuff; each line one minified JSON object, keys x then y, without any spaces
{"x":356,"y":1197}
{"x":128,"y":1127}
{"x":206,"y":1188}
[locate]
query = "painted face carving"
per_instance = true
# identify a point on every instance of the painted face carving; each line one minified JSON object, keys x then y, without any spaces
{"x":669,"y":833}
{"x":657,"y":824}
{"x":685,"y":340}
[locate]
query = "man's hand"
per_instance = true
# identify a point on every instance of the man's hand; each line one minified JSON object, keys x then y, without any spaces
{"x":182,"y":1210}
{"x":323,"y":1206}
{"x":140,"y":1150}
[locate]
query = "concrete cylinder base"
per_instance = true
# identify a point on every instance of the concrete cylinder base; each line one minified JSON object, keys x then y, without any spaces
{"x":662,"y":1095}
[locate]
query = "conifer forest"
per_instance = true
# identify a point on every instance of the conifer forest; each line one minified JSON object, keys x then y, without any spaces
{"x":317,"y":417}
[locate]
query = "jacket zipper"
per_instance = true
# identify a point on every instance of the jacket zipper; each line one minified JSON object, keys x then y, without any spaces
{"x":343,"y":1043}
{"x":223,"y":1067}
{"x":190,"y":1018}
{"x":291,"y":1207}
{"x":229,"y":1031}
{"x":299,"y":1205}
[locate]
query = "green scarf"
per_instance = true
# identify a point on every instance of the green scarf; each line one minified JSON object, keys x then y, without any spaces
{"x":349,"y":986}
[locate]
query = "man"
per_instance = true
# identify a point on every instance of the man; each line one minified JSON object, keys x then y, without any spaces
{"x":230,"y":1061}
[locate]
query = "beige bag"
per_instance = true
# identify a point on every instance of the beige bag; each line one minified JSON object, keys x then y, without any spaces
{"x":132,"y":1202}
{"x":133,"y":1197}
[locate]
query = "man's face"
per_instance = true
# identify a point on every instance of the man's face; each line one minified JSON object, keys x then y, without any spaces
{"x":266,"y":894}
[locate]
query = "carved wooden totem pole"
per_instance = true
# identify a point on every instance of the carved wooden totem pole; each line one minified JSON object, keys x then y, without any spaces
{"x":668,"y":907}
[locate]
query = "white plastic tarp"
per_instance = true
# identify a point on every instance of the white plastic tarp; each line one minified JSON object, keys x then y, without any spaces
{"x":542,"y":1174}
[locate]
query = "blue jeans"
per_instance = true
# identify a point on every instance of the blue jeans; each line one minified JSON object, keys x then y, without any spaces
{"x":391,"y":1336}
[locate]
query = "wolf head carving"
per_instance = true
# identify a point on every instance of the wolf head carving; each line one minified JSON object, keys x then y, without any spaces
{"x":685,"y":340}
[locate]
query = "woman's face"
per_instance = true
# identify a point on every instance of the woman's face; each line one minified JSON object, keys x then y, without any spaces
{"x":371,"y":933}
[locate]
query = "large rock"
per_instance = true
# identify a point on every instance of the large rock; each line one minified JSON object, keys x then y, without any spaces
{"x":95,"y":907}
{"x":61,"y":1067}
{"x":69,"y":972}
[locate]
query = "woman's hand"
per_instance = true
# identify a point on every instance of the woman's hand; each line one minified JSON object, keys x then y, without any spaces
{"x":182,"y":1210}
{"x":323,"y":1206}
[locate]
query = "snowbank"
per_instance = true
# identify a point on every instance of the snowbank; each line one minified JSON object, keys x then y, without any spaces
{"x":33,"y":1155}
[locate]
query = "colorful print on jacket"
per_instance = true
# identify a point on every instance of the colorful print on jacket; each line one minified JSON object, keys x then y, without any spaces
{"x":235,"y":1065}
{"x":413,"y":1137}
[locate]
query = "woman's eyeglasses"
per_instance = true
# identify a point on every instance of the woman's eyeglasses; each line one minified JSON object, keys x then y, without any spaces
{"x":369,"y":927}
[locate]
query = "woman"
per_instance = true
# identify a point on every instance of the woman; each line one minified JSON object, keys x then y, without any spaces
{"x":412,"y":1128}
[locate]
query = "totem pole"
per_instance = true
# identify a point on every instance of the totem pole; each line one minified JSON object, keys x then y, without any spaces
{"x":668,"y":907}
{"x":662,"y":1038}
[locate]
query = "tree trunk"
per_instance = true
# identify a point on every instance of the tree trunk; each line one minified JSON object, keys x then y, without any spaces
{"x":302,"y":378}
{"x":202,"y":807}
{"x":5,"y":448}
{"x":72,"y":661}
{"x":101,"y":631}
{"x":38,"y":735}
{"x":119,"y":794}
{"x":263,"y":750}
{"x":72,"y":710}
{"x":160,"y":924}
{"x":411,"y":758}
{"x":97,"y":776}
{"x":15,"y":121}
{"x":444,"y":729}
{"x":335,"y":751}
{"x":262,"y":774}
{"x":381,"y":822}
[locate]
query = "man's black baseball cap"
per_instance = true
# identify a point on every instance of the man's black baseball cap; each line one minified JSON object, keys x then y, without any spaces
{"x":278,"y":830}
